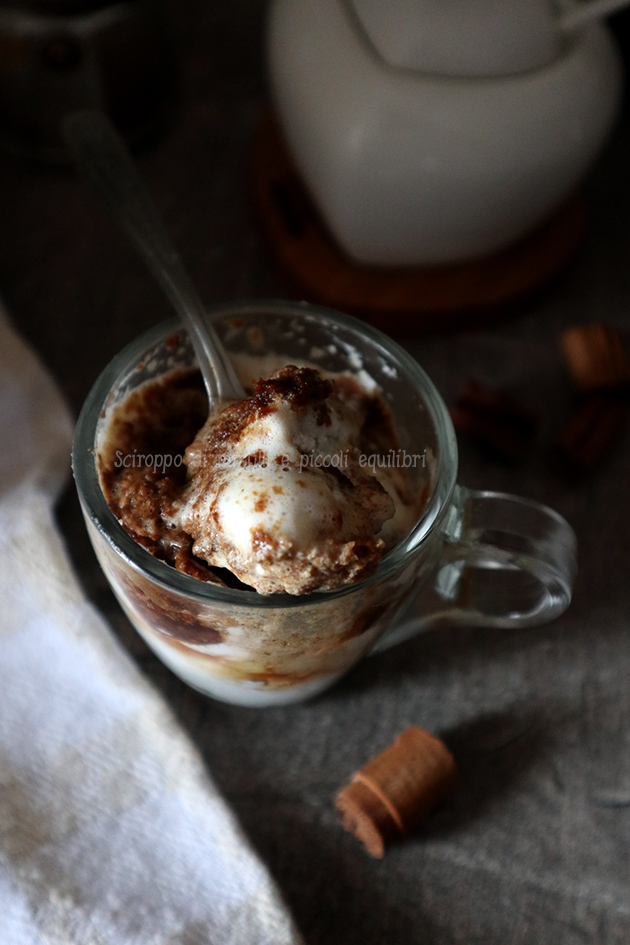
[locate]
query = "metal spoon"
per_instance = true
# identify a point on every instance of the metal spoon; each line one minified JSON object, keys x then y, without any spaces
{"x":101,"y":156}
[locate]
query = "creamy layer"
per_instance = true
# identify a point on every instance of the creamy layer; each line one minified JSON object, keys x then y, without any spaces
{"x":278,"y":492}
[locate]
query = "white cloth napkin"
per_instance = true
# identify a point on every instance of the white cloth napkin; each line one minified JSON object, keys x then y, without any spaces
{"x":111,"y":831}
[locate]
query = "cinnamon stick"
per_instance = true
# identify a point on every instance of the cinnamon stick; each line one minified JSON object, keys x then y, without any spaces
{"x":391,"y":794}
{"x":590,"y":433}
{"x":496,"y":420}
{"x":597,"y":357}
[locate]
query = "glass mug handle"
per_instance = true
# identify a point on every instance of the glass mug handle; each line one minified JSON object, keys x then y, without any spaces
{"x":506,"y":562}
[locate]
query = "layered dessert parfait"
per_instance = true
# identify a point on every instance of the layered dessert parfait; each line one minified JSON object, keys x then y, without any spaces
{"x":285,"y":503}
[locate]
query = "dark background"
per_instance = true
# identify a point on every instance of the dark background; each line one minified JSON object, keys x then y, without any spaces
{"x":533,"y":845}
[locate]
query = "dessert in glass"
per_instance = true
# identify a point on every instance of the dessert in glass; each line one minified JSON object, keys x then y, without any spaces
{"x":263,"y":550}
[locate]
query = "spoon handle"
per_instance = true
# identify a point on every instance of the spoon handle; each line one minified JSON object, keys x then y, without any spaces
{"x":101,"y":156}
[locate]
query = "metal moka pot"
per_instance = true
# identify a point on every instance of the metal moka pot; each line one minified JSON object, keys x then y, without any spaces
{"x":59,"y":55}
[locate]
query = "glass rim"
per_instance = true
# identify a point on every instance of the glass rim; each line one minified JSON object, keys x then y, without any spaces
{"x":169,"y":578}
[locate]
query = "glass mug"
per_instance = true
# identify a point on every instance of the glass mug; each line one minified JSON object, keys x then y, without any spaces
{"x":474,"y":558}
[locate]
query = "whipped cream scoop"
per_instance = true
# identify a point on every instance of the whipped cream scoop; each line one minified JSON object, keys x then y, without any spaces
{"x":280,"y":491}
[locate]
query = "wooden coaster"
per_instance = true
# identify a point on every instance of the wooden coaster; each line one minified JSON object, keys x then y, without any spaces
{"x":408,"y":300}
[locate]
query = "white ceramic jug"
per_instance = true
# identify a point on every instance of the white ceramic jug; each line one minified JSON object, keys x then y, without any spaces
{"x":432,"y":132}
